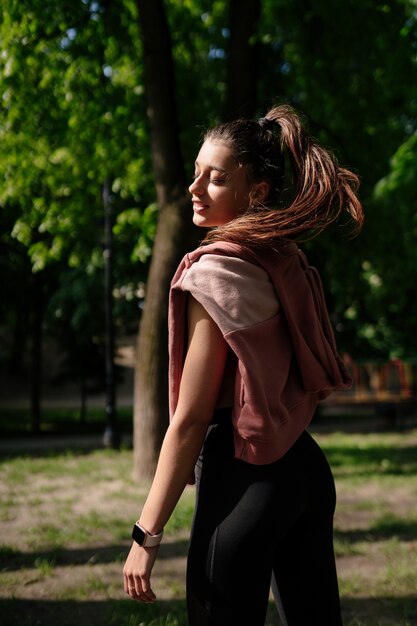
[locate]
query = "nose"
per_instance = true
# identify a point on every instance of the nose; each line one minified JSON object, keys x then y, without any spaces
{"x":196,"y":187}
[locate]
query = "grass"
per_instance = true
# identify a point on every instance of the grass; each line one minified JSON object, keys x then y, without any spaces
{"x":376,"y":525}
{"x":65,"y":521}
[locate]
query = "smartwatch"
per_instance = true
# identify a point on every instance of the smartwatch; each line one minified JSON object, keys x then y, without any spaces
{"x":144,"y":539}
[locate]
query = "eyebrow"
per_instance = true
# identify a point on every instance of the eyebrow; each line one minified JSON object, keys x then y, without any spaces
{"x":214,"y":167}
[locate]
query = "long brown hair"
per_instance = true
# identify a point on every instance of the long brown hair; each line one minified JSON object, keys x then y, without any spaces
{"x":321,"y":189}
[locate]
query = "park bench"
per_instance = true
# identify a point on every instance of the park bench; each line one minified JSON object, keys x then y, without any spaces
{"x":388,"y":387}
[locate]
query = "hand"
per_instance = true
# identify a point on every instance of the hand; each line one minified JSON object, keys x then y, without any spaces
{"x":137,"y":573}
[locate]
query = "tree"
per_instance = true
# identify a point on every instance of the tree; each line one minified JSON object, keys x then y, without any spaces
{"x":172,"y":234}
{"x":151,"y":371}
{"x":345,"y":65}
{"x":74,"y":114}
{"x":242,"y":75}
{"x":71,"y":118}
{"x":391,"y":329}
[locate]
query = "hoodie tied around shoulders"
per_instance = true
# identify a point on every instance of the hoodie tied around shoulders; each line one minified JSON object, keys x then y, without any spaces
{"x":270,"y":308}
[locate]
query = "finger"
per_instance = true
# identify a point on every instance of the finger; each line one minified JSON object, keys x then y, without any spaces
{"x":126,"y":578}
{"x":145,"y":594}
{"x":135,"y":590}
{"x":129,"y":582}
{"x":130,"y":587}
{"x":146,"y":588}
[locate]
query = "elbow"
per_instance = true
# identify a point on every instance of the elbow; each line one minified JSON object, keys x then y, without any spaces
{"x":190,"y":424}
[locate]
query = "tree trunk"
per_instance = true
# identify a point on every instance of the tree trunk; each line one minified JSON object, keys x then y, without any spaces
{"x":242,"y":60}
{"x":151,"y":384}
{"x":174,"y":225}
{"x":36,"y":353}
{"x":151,"y":376}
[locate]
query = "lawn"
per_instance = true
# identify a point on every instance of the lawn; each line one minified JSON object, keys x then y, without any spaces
{"x":65,"y":519}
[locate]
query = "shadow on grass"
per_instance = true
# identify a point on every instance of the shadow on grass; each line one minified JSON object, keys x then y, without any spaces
{"x":50,"y":448}
{"x":366,"y":460}
{"x":12,"y":560}
{"x":91,"y":613}
{"x":61,"y":421}
{"x":383,"y":611}
{"x":386,"y":528}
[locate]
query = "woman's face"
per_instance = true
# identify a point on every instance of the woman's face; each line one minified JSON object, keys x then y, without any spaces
{"x":220,"y":190}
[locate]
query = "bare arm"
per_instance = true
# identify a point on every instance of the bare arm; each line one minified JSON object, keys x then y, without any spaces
{"x":200,"y":384}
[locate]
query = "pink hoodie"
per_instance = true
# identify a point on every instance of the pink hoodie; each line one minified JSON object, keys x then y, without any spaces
{"x":270,"y":308}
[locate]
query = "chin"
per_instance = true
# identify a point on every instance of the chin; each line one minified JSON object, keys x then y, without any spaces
{"x":200,"y":221}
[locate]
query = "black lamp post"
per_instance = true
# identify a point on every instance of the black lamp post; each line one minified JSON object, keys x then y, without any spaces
{"x":111,"y":436}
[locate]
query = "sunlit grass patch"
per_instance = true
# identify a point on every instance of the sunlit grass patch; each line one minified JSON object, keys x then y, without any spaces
{"x":89,"y":465}
{"x":47,"y":536}
{"x":401,"y":570}
{"x":182,"y":517}
{"x":377,"y":455}
{"x":343,"y":547}
{"x":92,"y":527}
{"x":353,"y":585}
{"x":7,"y":503}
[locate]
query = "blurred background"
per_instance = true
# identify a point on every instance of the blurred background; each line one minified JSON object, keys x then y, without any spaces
{"x":83,"y":163}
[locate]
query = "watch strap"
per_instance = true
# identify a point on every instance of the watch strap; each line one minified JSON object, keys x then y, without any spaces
{"x":145,"y":539}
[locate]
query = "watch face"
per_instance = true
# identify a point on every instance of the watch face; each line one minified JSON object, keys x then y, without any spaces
{"x":138,"y":535}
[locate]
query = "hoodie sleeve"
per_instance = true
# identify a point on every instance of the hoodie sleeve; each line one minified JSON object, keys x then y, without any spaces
{"x":234,"y":292}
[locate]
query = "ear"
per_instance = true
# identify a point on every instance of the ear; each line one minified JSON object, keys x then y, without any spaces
{"x":259,"y":192}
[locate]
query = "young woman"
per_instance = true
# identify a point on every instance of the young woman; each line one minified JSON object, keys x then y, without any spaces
{"x":251,"y":354}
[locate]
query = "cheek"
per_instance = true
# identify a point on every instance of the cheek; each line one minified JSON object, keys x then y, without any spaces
{"x":241,"y":201}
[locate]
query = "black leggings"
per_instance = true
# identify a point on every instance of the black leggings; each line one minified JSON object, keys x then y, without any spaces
{"x":254,"y":521}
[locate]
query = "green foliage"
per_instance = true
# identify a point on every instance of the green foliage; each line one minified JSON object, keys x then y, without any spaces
{"x":73,"y":115}
{"x":391,"y":271}
{"x":347,"y":66}
{"x":71,"y":121}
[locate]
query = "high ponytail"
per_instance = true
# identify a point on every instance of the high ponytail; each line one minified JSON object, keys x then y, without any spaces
{"x":278,"y":150}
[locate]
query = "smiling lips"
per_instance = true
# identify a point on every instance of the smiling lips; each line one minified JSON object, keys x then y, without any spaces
{"x":199,"y":207}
